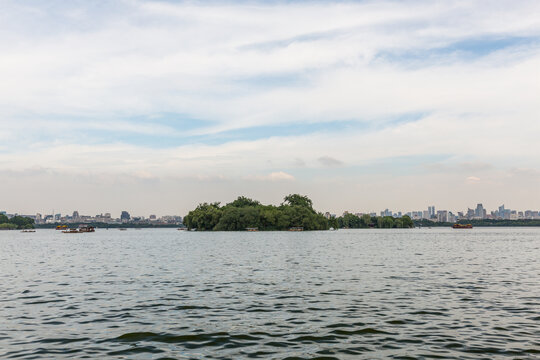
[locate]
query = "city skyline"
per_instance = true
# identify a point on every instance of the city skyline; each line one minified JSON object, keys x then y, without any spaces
{"x":432,"y":212}
{"x":157,"y":106}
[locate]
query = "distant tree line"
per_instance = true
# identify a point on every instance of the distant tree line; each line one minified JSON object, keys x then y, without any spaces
{"x":295,"y":211}
{"x":16,"y":222}
{"x":480,"y":222}
{"x":351,"y":221}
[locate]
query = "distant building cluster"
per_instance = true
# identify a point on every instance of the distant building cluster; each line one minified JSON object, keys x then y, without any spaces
{"x":477,"y":213}
{"x":125,"y":218}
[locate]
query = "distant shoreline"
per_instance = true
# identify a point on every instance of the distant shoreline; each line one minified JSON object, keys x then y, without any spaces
{"x":111,"y":226}
{"x":481,"y":223}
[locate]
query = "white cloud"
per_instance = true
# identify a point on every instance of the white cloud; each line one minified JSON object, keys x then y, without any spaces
{"x":280,"y":175}
{"x":473,"y":179}
{"x":74,"y":76}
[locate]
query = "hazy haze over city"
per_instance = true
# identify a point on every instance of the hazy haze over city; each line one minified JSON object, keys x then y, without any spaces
{"x":156,"y":106}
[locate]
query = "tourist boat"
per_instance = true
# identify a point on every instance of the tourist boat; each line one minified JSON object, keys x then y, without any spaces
{"x":252,"y":229}
{"x":61,"y":227}
{"x":86,"y":228}
{"x":80,"y":229}
{"x":462,"y":226}
{"x":296,"y":228}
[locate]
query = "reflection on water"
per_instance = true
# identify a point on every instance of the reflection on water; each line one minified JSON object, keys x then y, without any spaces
{"x":348,"y":294}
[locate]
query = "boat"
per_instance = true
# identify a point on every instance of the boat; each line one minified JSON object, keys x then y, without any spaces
{"x":61,"y":227}
{"x":122,"y":229}
{"x":86,"y":228}
{"x":296,"y":228}
{"x":28,"y":231}
{"x":252,"y":229}
{"x":80,"y":229}
{"x":182,"y":229}
{"x":462,"y":226}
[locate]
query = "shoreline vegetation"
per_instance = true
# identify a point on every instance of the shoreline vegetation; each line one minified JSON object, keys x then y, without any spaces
{"x":16,"y":223}
{"x":480,"y":223}
{"x":366,"y":221}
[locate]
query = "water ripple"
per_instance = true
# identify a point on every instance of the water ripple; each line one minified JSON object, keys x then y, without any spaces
{"x":164,"y":294}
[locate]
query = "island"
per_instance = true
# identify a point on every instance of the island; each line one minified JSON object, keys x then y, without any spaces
{"x":295,"y":213}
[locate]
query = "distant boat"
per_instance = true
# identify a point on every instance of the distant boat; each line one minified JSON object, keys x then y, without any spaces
{"x":28,"y":231}
{"x":296,"y":228}
{"x":86,"y":228}
{"x":252,"y":229}
{"x":61,"y":227}
{"x":462,"y":226}
{"x":80,"y":229}
{"x":122,"y":229}
{"x":71,"y":231}
{"x":182,"y":229}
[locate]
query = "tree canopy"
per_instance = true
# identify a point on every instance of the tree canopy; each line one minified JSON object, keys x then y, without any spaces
{"x":295,"y":211}
{"x":352,"y":221}
{"x":16,"y":222}
{"x":298,"y":200}
{"x":242,"y":213}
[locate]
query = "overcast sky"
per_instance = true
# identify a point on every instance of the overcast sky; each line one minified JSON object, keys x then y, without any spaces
{"x":153,"y":107}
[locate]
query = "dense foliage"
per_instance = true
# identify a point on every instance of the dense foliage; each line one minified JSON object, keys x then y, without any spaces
{"x":16,"y":222}
{"x":295,"y":211}
{"x":352,"y":221}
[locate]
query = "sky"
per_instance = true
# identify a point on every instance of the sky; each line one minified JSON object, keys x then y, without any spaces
{"x":156,"y":106}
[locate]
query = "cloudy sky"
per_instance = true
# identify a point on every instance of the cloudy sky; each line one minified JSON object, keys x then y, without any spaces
{"x":155,"y":106}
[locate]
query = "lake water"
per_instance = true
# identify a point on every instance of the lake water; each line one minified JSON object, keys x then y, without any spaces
{"x":347,"y":294}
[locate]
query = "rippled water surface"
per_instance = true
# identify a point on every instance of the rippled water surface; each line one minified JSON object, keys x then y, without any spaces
{"x":348,"y":294}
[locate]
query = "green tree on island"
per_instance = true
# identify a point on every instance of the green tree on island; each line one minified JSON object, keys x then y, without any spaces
{"x":242,"y":213}
{"x":16,"y":222}
{"x":298,"y":200}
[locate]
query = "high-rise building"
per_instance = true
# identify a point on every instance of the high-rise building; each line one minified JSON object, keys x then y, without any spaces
{"x":442,"y":216}
{"x":480,"y":212}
